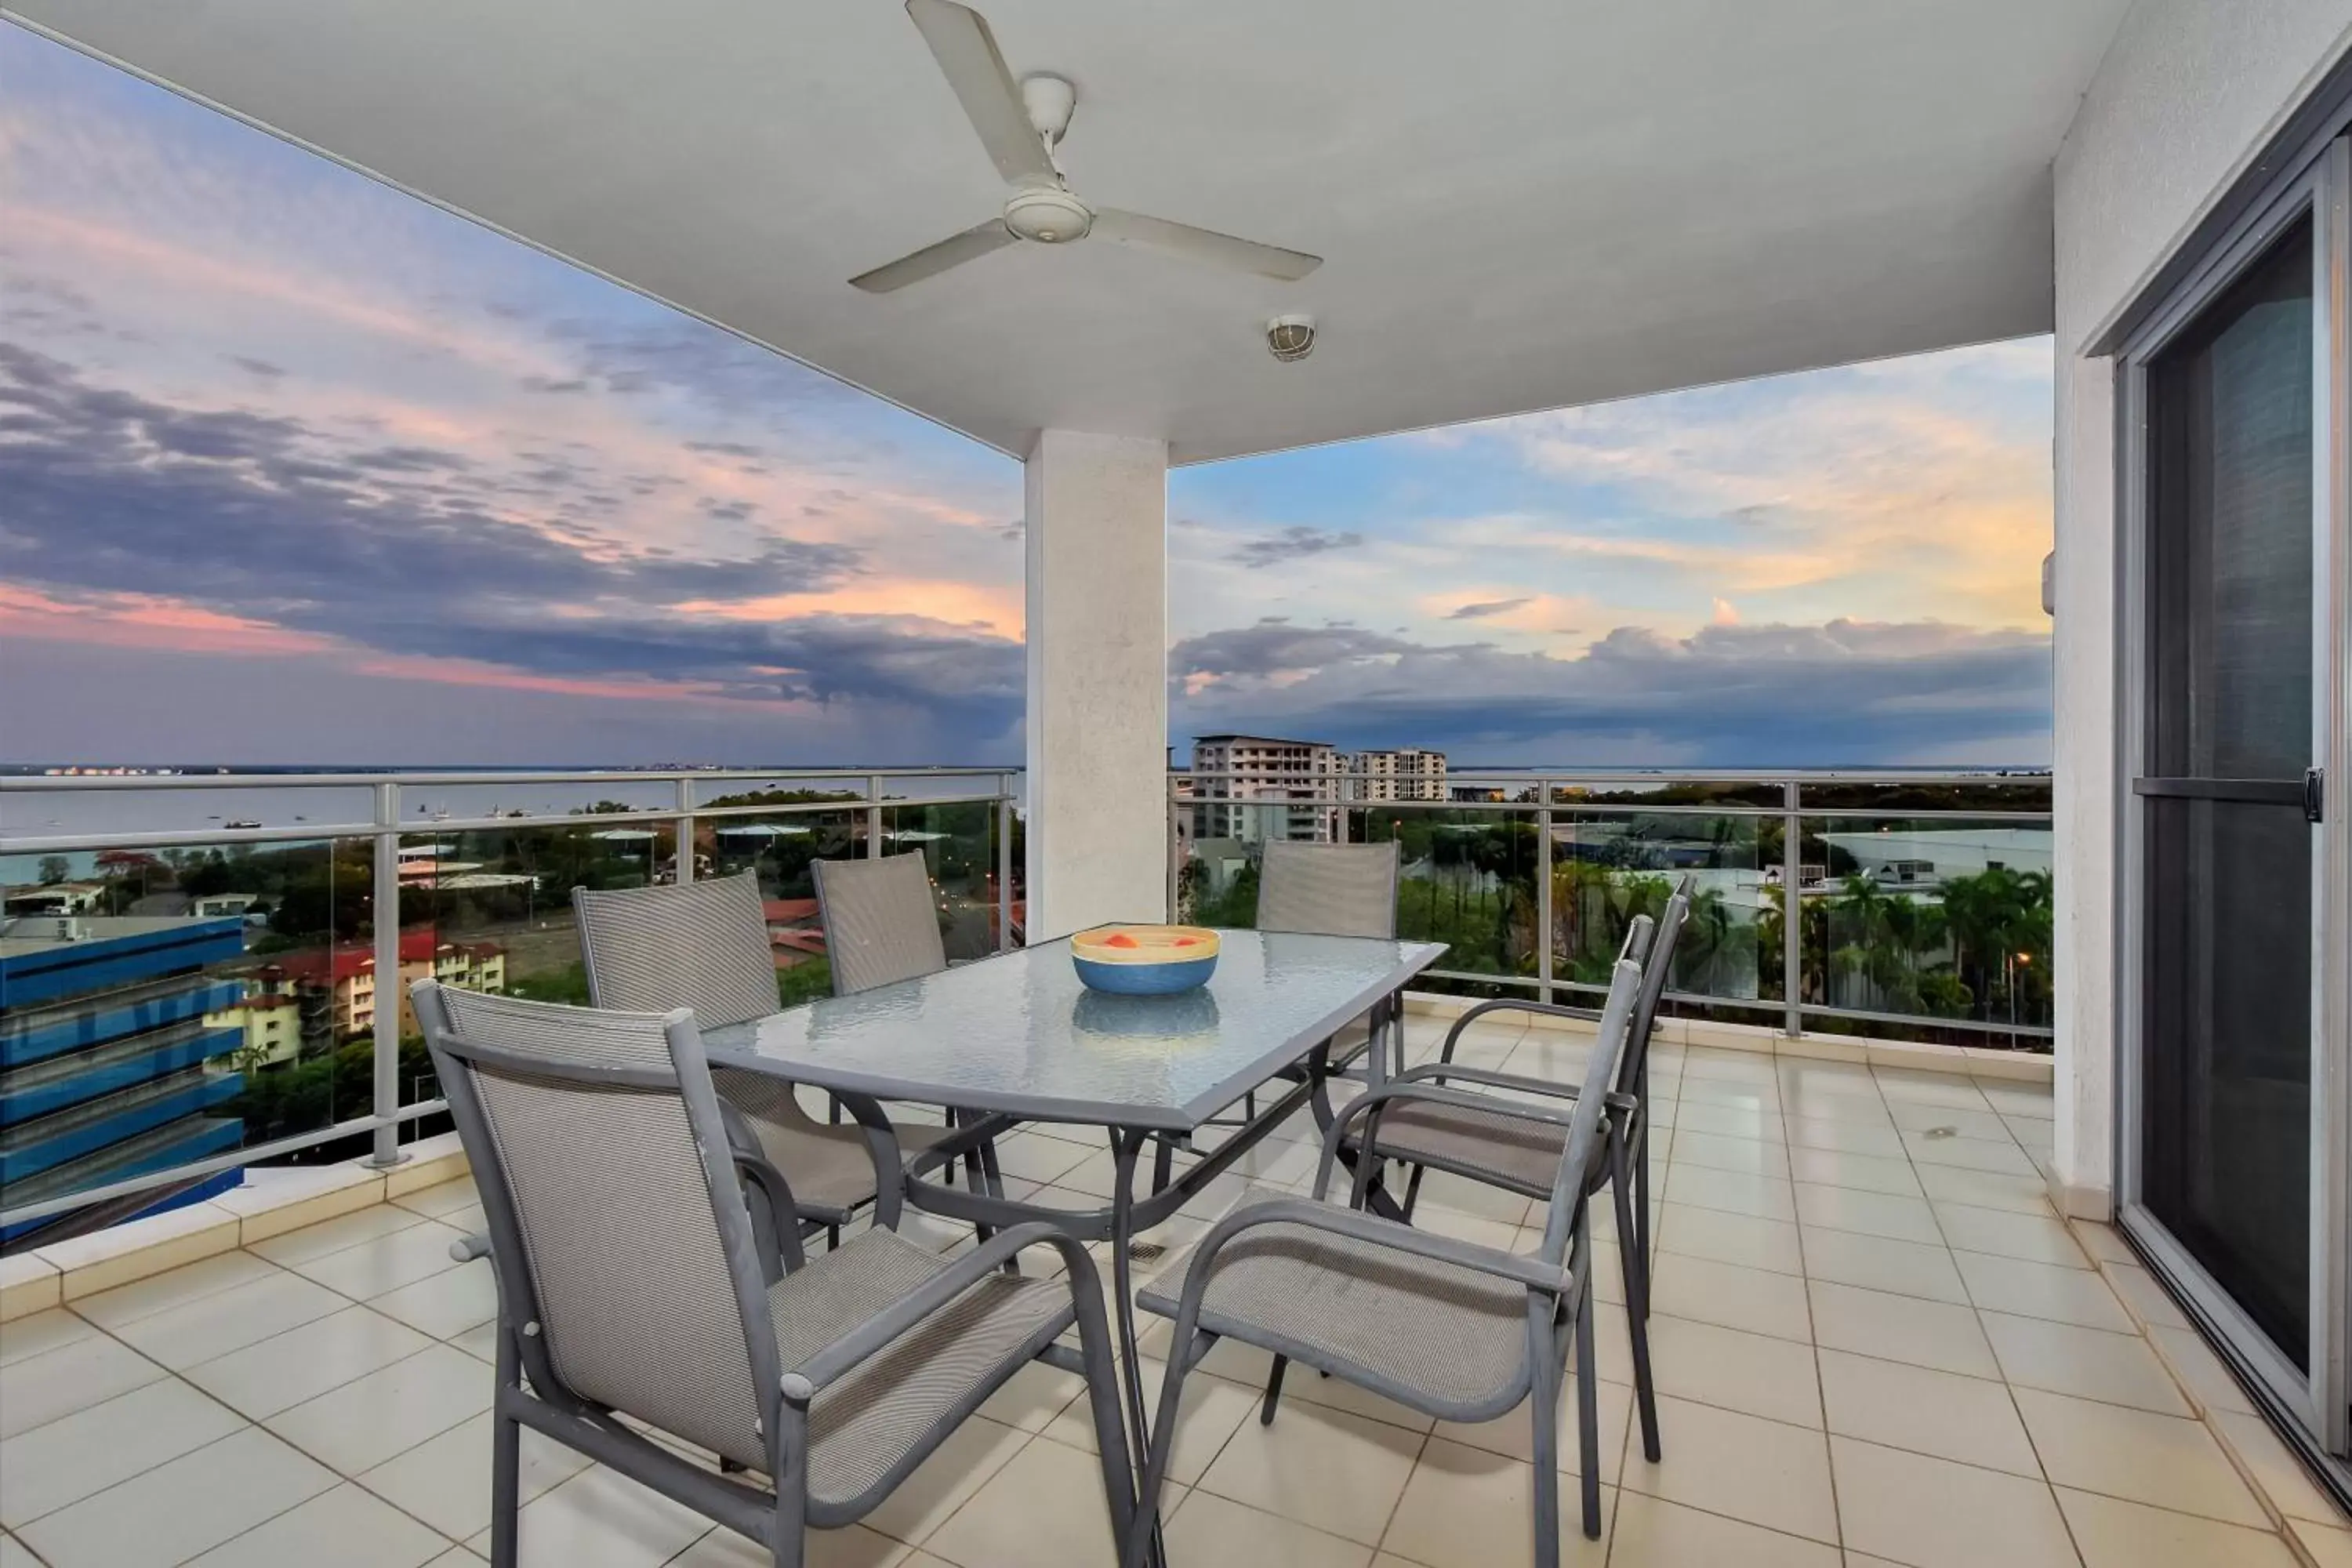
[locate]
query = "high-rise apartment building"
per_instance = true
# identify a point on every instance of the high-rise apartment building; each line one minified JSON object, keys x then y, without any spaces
{"x":1407,"y":773}
{"x":1256,"y":788}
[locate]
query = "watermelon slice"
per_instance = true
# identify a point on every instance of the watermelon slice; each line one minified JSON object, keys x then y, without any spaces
{"x":1120,"y":939}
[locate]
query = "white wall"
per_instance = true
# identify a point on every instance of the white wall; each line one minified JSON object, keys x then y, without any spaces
{"x":1097,"y":657}
{"x":2189,"y":92}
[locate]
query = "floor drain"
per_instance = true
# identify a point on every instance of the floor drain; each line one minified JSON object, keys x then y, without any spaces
{"x":1941,"y":1133}
{"x":1146,"y":1251}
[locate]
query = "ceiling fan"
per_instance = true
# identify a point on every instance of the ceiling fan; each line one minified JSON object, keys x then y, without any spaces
{"x":1020,"y":123}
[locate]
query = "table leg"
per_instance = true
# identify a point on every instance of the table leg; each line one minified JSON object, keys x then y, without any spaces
{"x":1124,"y":1145}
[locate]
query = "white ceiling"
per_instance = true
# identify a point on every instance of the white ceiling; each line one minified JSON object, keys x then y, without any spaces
{"x":1522,"y":204}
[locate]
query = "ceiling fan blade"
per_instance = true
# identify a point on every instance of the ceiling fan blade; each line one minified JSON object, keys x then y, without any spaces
{"x":1203,"y":245}
{"x":969,"y":58}
{"x":933,"y":259}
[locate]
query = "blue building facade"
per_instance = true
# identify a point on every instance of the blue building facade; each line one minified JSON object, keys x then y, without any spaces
{"x":107,"y":1069}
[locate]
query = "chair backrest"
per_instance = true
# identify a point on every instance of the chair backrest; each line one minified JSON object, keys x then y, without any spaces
{"x":1657,"y":969}
{"x":1329,"y":890}
{"x":1580,"y":1158}
{"x":616,"y":1224}
{"x":881,"y":924}
{"x":700,"y":945}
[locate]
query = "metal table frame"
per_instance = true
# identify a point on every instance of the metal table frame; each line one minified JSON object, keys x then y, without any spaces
{"x":1308,"y":1063}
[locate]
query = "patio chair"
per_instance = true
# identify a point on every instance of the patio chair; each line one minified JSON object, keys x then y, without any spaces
{"x":703,"y":946}
{"x":1328,"y":889}
{"x":881,"y":924}
{"x":1493,"y":1138}
{"x":633,"y":1288}
{"x":1449,"y":1328}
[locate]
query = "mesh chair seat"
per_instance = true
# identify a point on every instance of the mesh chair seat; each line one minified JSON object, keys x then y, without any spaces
{"x":1488,"y":1145}
{"x":862,"y":1428}
{"x":1452,"y":1338}
{"x":830,"y":1167}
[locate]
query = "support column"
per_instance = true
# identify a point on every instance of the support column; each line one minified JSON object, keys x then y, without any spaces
{"x":2088,"y":718}
{"x":1097,"y":655}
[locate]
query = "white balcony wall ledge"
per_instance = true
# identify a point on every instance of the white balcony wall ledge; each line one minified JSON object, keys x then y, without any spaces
{"x":2185,"y":99}
{"x":1098,"y":667}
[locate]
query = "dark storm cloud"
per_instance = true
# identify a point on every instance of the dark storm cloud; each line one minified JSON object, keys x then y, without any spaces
{"x":1728,"y":695}
{"x":1479,"y":611}
{"x":1293,"y":543}
{"x":401,"y":548}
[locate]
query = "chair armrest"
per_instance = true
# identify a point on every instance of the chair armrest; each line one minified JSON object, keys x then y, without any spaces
{"x":828,"y":1366}
{"x":780,"y":1251}
{"x":882,"y":1147}
{"x":1510,"y":1005}
{"x":1375,"y":1101}
{"x":1551,"y":1278}
{"x":1436,"y":1072}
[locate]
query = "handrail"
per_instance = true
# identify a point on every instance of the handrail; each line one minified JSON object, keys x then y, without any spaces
{"x":1552,"y":798}
{"x":862,"y":794}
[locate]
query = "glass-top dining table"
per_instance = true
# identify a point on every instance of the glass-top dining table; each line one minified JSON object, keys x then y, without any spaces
{"x":1017,"y":1037}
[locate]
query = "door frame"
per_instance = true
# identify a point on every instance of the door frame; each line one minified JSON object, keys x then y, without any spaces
{"x":2321,"y":1399}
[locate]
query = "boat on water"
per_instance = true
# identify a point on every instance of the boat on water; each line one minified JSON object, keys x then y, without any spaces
{"x":242,"y":822}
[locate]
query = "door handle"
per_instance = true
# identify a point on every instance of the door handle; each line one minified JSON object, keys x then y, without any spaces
{"x":2315,"y":795}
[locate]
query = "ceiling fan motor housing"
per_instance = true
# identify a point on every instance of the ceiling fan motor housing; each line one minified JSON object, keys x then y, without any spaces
{"x":1048,"y":215}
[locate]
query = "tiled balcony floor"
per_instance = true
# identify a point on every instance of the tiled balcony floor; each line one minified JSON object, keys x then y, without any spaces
{"x":1876,"y":1343}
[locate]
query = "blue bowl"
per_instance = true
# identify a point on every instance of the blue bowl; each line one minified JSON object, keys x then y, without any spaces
{"x":1144,"y":979}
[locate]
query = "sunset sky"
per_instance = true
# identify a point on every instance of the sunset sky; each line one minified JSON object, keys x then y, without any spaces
{"x":294,"y":468}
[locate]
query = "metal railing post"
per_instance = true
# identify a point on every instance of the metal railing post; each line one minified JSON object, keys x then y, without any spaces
{"x":1004,"y":862}
{"x":1543,"y":893}
{"x":874,"y":817}
{"x":682,"y":860}
{"x":1792,"y":912}
{"x":388,"y":993}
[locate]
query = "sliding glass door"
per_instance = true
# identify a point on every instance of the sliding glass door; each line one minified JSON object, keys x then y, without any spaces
{"x":2234,"y":1134}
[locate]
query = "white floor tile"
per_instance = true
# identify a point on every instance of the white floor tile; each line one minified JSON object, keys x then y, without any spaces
{"x":38,"y":1334}
{"x":79,"y":1455}
{"x":1652,"y":1533}
{"x":940,"y":1484}
{"x":1879,"y":1263}
{"x":2036,"y":1239}
{"x":2089,"y":1363}
{"x":1754,"y":1374}
{"x":1749,"y":1155}
{"x":1736,"y":1239}
{"x":387,"y":1262}
{"x":2077,"y":1296}
{"x":1761,"y":1472}
{"x":367,"y":1421}
{"x":2165,"y":1460}
{"x":180,"y":1337}
{"x":1209,"y":1532}
{"x":78,"y":1374}
{"x":1212,"y":1409}
{"x":446,"y":1304}
{"x":175,"y":1510}
{"x":445,"y":1481}
{"x":344,"y":1528}
{"x":302,"y":1363}
{"x":1901,"y":1328}
{"x":1970,"y":1420}
{"x":1751,"y":1300}
{"x":1513,"y":1435}
{"x":2117,"y":1534}
{"x":599,"y":1519}
{"x":2003,"y":1158}
{"x":1932,"y":1513}
{"x":110,"y":1309}
{"x":1044,"y":1510}
{"x":344,"y":1230}
{"x":1986,"y":1189}
{"x":1867,"y":1173}
{"x":1845,"y":1137}
{"x":1889,"y":1214}
{"x":1465,"y":1508}
{"x":1332,"y":1471}
{"x":443,"y":1199}
{"x":2276,"y":1470}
